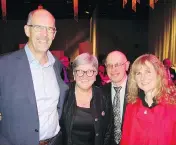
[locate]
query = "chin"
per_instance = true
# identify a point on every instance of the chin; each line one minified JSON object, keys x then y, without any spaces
{"x":147,"y":89}
{"x":117,"y":80}
{"x":86,"y":87}
{"x":44,"y":48}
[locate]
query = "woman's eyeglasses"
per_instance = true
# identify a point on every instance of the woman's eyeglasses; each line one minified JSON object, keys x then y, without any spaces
{"x":89,"y":73}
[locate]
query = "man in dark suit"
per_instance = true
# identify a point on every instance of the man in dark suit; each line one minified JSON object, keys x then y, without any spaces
{"x":170,"y":71}
{"x":31,"y":89}
{"x":117,"y":66}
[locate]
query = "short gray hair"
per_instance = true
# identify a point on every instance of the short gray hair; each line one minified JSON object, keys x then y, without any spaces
{"x":85,"y":58}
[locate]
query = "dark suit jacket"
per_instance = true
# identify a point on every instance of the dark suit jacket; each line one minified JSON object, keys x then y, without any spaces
{"x":107,"y":90}
{"x":20,"y":122}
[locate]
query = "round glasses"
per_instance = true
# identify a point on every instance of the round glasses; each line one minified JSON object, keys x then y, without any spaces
{"x":80,"y":73}
{"x":39,"y":28}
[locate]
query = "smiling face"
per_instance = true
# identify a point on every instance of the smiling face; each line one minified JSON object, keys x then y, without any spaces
{"x":117,"y":65}
{"x":146,"y":77}
{"x":40,"y":41}
{"x":85,"y":81}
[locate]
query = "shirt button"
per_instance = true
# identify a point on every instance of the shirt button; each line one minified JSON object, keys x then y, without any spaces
{"x":145,"y":112}
{"x":36,"y":130}
{"x":97,"y":134}
{"x":96,"y":119}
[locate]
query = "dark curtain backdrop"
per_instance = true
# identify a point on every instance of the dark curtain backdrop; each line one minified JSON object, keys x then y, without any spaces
{"x":69,"y":34}
{"x":162,"y":30}
{"x":129,"y":36}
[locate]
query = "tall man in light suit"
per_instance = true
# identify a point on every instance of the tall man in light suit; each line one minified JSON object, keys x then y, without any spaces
{"x":117,"y":66}
{"x":31,"y":89}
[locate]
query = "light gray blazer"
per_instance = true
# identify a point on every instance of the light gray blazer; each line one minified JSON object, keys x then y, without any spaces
{"x":19,"y":124}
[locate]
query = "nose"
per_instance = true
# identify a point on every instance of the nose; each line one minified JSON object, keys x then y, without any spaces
{"x":114,"y":69}
{"x":84,"y":75}
{"x":44,"y":31}
{"x":142,"y":77}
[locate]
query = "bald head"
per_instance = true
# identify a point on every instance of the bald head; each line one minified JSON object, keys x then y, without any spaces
{"x":42,"y":13}
{"x":116,"y":66}
{"x":65,"y":61}
{"x":167,"y":63}
{"x":64,"y":58}
{"x":116,"y":56}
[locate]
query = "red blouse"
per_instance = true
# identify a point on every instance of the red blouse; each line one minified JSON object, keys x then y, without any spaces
{"x":149,"y":126}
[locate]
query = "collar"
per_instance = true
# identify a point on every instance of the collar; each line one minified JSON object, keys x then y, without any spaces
{"x":142,"y":97}
{"x":31,"y":58}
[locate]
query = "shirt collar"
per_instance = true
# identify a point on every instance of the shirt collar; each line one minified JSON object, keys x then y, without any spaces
{"x":123,"y":85}
{"x":29,"y":54}
{"x":142,"y":97}
{"x":31,"y":58}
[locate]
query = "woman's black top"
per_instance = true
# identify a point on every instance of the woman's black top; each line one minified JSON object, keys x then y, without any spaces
{"x":83,"y":131}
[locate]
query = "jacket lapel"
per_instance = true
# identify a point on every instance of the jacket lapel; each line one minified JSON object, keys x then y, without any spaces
{"x":23,"y":72}
{"x":125,"y":102}
{"x":28,"y":87}
{"x":107,"y":91}
{"x":62,"y":86}
{"x":26,"y":75}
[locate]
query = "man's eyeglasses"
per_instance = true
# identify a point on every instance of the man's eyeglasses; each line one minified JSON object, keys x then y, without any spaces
{"x":39,"y":28}
{"x":110,"y":66}
{"x":89,"y":73}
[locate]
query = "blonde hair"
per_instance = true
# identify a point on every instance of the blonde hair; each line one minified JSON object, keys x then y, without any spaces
{"x":164,"y":90}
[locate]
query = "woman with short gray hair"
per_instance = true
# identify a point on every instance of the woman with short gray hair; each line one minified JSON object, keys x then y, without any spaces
{"x":87,"y":116}
{"x":85,"y":58}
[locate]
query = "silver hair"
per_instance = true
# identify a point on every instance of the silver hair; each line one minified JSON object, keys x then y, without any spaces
{"x":85,"y":58}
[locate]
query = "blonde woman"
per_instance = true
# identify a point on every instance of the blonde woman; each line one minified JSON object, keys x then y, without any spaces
{"x":150,"y":117}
